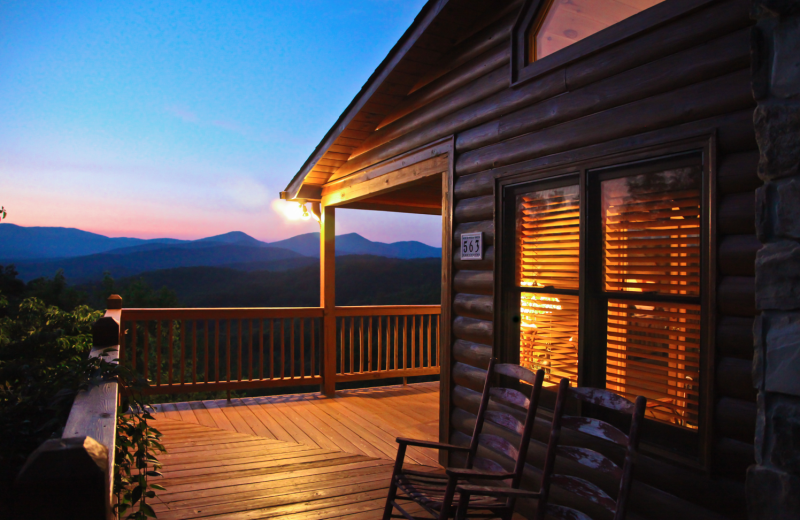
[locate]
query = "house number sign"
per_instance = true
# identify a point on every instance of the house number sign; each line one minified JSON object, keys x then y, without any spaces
{"x":472,"y":246}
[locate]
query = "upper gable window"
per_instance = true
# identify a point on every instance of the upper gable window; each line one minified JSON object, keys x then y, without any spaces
{"x":561,"y":23}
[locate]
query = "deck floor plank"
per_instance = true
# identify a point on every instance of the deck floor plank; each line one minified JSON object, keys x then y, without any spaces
{"x":293,"y":457}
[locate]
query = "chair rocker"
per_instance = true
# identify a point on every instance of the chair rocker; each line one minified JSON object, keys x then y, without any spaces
{"x":593,"y":461}
{"x":436,"y":493}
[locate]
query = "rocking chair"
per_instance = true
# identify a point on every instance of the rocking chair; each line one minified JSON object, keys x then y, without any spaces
{"x":591,"y":459}
{"x":436,"y":493}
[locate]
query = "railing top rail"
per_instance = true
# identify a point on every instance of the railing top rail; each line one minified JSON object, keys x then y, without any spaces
{"x":387,"y":310}
{"x":233,"y":313}
{"x":229,"y":313}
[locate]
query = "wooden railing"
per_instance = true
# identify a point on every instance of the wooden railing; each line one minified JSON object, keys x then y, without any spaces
{"x":383,"y":342}
{"x":197,"y":350}
{"x":72,"y":477}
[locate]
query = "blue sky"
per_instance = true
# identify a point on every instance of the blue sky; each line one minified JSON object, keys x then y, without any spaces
{"x":182,"y":119}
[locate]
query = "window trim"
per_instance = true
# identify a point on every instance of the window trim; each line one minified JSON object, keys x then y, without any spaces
{"x":522,"y":71}
{"x":505,"y":190}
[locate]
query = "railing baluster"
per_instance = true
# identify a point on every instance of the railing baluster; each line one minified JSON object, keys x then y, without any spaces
{"x":183,"y":351}
{"x":352,"y":344}
{"x":216,"y":350}
{"x":405,"y":341}
{"x":380,"y":347}
{"x":396,"y":342}
{"x":239,"y":327}
{"x":313,"y":322}
{"x":133,"y":345}
{"x":158,"y":353}
{"x":260,"y":348}
{"x":438,"y":337}
{"x":194,"y":351}
{"x":170,"y":346}
{"x":228,"y":350}
{"x":291,"y":347}
{"x":302,"y":347}
{"x":271,"y":348}
{"x":283,"y":359}
{"x":146,"y":347}
{"x":361,"y":346}
{"x":343,"y":345}
{"x":205,"y":350}
{"x":369,"y":346}
{"x":413,"y":341}
{"x":430,"y":323}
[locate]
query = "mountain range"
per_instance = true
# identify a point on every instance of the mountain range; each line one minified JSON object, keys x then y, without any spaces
{"x":84,"y":256}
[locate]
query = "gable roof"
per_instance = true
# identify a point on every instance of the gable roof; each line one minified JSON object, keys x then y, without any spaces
{"x":434,"y":31}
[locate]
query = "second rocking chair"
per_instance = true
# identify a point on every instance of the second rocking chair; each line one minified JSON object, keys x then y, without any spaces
{"x":436,"y":492}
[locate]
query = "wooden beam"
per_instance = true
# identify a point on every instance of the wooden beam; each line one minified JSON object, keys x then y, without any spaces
{"x":364,"y":186}
{"x":327,"y":297}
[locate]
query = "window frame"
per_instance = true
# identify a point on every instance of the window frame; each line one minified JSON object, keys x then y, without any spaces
{"x":523,"y":70}
{"x":658,"y":439}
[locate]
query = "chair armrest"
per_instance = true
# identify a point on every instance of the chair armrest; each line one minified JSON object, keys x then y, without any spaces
{"x":478,"y":473}
{"x":431,"y":444}
{"x":502,"y":492}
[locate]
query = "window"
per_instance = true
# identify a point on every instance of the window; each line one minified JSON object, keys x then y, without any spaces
{"x":608,"y":271}
{"x":561,"y":23}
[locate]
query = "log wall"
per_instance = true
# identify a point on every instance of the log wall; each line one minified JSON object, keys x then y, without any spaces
{"x":686,"y":76}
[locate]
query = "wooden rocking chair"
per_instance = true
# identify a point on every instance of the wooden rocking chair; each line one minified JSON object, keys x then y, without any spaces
{"x":584,"y":456}
{"x":436,"y":493}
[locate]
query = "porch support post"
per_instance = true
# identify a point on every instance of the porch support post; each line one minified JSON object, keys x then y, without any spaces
{"x":327,"y":297}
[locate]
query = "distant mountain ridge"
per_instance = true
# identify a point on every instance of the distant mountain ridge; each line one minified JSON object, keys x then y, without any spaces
{"x":133,"y":256}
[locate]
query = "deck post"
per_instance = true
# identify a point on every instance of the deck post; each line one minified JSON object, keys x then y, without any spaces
{"x":327,"y":297}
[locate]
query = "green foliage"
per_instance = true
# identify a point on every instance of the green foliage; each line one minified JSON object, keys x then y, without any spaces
{"x":3,"y":213}
{"x":44,"y":363}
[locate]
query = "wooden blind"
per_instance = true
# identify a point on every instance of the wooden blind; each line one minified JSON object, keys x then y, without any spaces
{"x":652,"y":232}
{"x":654,"y":351}
{"x":549,"y":335}
{"x":547,"y":244}
{"x":548,"y":226}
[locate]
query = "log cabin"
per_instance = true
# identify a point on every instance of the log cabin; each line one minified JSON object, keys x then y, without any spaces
{"x":604,"y":152}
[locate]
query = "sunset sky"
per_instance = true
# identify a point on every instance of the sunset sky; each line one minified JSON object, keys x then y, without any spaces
{"x":182,"y":119}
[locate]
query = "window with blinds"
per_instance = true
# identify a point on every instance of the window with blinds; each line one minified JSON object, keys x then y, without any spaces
{"x":548,"y":226}
{"x":651,"y":245}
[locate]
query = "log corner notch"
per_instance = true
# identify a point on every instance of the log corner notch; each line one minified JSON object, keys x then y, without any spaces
{"x":72,"y":477}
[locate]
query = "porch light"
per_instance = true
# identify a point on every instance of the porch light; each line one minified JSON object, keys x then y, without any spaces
{"x":297,"y":209}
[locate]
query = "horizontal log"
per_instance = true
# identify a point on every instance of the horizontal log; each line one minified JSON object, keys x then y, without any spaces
{"x":735,"y":337}
{"x":734,"y":131}
{"x":738,"y":173}
{"x":468,"y":377}
{"x":484,"y":226}
{"x":736,"y":214}
{"x":734,"y":378}
{"x":721,"y":56}
{"x":473,"y":70}
{"x":474,"y":306}
{"x":472,"y":210}
{"x":736,"y":296}
{"x":486,"y":263}
{"x":722,"y":495}
{"x":712,"y":22}
{"x":474,"y":282}
{"x":732,"y":457}
{"x":470,"y":94}
{"x":471,"y":329}
{"x":484,"y":39}
{"x":717,"y":96}
{"x":463,"y":420}
{"x":736,"y":418}
{"x":486,"y":110}
{"x":736,"y":255}
{"x":472,"y":354}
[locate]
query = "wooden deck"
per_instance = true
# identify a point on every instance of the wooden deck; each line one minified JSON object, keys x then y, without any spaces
{"x":291,"y":456}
